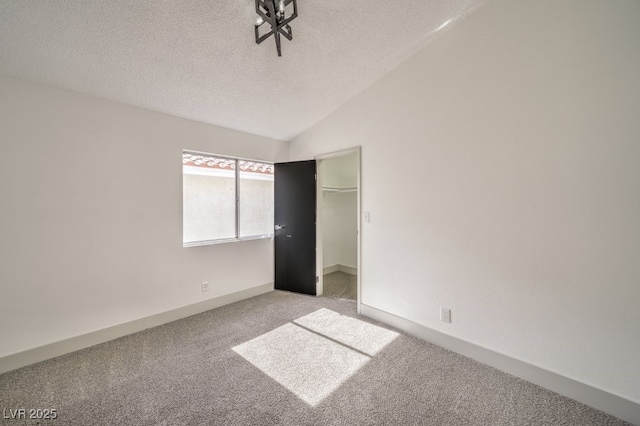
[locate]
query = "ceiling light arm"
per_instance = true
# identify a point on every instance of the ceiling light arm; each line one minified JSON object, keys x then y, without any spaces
{"x":267,"y":13}
{"x":293,"y":15}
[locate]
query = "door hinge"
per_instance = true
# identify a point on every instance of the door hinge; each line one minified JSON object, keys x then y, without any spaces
{"x":317,"y":279}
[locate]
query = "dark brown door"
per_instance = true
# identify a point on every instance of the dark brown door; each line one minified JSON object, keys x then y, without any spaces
{"x":295,"y":226}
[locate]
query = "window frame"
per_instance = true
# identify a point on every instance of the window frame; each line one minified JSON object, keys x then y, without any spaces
{"x":237,"y":171}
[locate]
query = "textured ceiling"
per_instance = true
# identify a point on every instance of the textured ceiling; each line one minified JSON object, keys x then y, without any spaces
{"x":199,"y":60}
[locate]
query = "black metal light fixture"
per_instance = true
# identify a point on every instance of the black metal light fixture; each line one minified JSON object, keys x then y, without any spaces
{"x":274,"y":13}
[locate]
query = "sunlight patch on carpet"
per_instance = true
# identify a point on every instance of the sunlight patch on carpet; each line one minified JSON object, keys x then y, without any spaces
{"x":310,"y":365}
{"x":360,"y":335}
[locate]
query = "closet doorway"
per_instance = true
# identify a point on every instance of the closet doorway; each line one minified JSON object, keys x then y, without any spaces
{"x":338,"y":230}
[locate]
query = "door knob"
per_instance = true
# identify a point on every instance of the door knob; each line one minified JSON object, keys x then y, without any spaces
{"x":279,"y":227}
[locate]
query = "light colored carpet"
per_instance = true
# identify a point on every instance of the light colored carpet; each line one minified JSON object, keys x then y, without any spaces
{"x":200,"y":371}
{"x":308,"y":365}
{"x":340,"y":285}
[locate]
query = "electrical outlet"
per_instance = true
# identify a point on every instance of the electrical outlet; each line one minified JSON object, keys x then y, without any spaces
{"x":205,"y":286}
{"x":445,"y":315}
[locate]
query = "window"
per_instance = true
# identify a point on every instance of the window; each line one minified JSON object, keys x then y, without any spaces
{"x":225,"y":199}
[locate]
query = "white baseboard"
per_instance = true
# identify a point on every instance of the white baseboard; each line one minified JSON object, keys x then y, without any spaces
{"x":348,"y":269}
{"x":597,"y":398}
{"x":342,"y":268}
{"x":52,"y":350}
{"x":330,"y":269}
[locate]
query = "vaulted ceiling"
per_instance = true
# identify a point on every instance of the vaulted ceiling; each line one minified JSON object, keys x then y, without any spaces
{"x":198,"y":59}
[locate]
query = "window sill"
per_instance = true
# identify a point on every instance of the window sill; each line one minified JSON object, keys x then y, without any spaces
{"x":227,"y":240}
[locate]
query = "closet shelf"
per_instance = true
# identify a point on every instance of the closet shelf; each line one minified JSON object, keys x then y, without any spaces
{"x":342,"y":189}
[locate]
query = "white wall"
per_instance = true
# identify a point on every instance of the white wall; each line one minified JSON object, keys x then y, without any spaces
{"x":91,"y":215}
{"x":340,"y":172}
{"x":340,"y":229}
{"x":501,"y":169}
{"x":340,"y":211}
